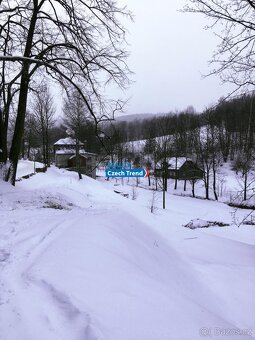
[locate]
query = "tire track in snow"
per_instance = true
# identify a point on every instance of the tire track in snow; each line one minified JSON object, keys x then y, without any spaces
{"x":19,"y":287}
{"x":15,"y":263}
{"x":82,"y":322}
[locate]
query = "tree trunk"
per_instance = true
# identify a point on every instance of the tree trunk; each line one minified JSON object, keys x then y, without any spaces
{"x":29,"y":145}
{"x":3,"y":141}
{"x":47,"y":146}
{"x":78,"y":161}
{"x":4,"y":122}
{"x":175,"y":183}
{"x":164,"y":196}
{"x":19,"y":126}
{"x":245,"y":186}
{"x":22,"y":103}
{"x":44,"y":147}
{"x":193,"y":188}
{"x":206,"y":181}
{"x":214,"y":183}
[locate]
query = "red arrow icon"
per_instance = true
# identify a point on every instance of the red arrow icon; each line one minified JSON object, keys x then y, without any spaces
{"x":147,"y":173}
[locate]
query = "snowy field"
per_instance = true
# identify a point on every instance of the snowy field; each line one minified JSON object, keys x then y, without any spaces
{"x":80,"y":262}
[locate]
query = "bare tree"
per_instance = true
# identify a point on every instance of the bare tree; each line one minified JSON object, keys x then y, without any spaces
{"x":203,"y":148}
{"x":30,"y":135}
{"x":134,"y":192}
{"x":8,"y":87}
{"x":152,"y":203}
{"x":163,"y":147}
{"x":244,"y":160}
{"x":193,"y":182}
{"x":233,"y":23}
{"x":213,"y":142}
{"x":75,"y":116}
{"x":43,"y":111}
{"x":77,"y":43}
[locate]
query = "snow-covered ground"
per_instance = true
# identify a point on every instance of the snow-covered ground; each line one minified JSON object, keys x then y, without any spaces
{"x":79,"y":261}
{"x":27,"y":168}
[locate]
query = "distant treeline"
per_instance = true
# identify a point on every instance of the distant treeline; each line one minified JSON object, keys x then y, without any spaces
{"x":235,"y":116}
{"x":234,"y":119}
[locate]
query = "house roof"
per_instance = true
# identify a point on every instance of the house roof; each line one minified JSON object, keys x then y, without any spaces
{"x":73,"y":156}
{"x":173,"y":163}
{"x":176,"y":163}
{"x":67,"y":141}
{"x":67,"y":146}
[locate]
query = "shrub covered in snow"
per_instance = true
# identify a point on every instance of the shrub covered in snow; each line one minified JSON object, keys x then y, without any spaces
{"x":198,"y":223}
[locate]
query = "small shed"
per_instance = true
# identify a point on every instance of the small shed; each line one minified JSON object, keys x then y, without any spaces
{"x":65,"y":157}
{"x":72,"y":161}
{"x":180,"y":168}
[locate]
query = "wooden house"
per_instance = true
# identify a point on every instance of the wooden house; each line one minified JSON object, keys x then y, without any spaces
{"x":179,"y":168}
{"x":65,"y":157}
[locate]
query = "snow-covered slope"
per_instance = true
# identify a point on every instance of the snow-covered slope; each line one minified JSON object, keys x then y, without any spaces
{"x":27,"y":168}
{"x":80,"y":262}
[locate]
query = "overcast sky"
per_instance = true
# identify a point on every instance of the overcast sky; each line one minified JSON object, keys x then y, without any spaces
{"x":169,"y":53}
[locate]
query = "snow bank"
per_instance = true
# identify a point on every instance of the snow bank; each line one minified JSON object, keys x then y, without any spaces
{"x":26,"y":167}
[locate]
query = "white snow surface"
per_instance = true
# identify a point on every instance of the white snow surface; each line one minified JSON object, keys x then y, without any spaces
{"x":80,"y":262}
{"x":26,"y":167}
{"x":68,"y":151}
{"x":67,"y":141}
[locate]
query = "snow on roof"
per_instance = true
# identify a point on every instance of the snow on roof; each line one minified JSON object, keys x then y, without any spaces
{"x":68,"y":151}
{"x":176,"y":163}
{"x":90,"y":153}
{"x":172,"y":163}
{"x":67,"y":141}
{"x":73,"y":156}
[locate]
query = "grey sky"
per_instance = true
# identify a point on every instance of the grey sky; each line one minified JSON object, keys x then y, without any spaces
{"x":169,"y":53}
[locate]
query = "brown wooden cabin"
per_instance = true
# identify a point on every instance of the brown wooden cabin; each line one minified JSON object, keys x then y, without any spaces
{"x":179,"y":168}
